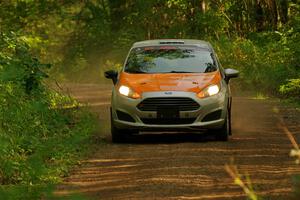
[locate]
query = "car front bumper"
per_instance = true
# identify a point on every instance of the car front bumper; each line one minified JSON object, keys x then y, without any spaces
{"x":218,"y":102}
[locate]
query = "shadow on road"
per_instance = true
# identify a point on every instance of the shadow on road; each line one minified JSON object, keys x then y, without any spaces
{"x":167,"y":138}
{"x":152,"y":137}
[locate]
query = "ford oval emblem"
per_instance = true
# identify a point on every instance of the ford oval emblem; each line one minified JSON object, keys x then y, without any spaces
{"x":168,"y":93}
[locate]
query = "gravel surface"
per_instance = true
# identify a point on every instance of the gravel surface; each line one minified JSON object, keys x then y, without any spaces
{"x":185,"y":165}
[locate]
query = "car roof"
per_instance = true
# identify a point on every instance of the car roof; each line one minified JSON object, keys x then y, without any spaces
{"x":161,"y":42}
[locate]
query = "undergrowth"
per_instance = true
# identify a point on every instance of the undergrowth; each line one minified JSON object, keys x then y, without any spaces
{"x":42,"y":132}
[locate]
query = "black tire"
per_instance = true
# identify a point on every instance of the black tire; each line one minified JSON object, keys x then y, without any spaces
{"x":222,"y":134}
{"x":229,"y":115}
{"x":229,"y":118}
{"x":120,"y":135}
{"x":116,"y":134}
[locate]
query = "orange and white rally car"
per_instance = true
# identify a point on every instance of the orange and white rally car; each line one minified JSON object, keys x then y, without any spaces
{"x":171,"y":85}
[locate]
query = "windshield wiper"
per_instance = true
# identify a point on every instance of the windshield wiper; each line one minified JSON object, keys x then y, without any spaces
{"x":136,"y":72}
{"x":179,"y":72}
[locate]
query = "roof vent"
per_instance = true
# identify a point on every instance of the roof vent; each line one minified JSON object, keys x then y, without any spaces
{"x":171,"y":42}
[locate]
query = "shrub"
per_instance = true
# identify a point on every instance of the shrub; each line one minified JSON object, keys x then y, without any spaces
{"x":291,"y":88}
{"x":39,"y":139}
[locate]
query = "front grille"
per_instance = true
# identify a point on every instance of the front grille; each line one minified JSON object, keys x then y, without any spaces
{"x":173,"y":121}
{"x":180,"y":103}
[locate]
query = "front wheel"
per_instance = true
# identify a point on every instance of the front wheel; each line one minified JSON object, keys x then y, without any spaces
{"x":120,"y":135}
{"x":117,"y":136}
{"x":223,"y":133}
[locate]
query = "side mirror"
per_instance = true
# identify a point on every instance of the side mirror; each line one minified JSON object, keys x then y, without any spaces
{"x":230,"y":73}
{"x":111,"y":74}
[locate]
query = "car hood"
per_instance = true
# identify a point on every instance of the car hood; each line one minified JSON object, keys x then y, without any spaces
{"x":188,"y":82}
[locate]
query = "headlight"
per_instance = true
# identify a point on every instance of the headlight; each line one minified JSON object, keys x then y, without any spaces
{"x":128,"y":92}
{"x":124,"y":90}
{"x":209,"y":91}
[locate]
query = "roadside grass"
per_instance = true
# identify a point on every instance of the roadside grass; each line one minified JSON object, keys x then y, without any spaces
{"x":243,"y":181}
{"x":293,"y":102}
{"x":260,"y":96}
{"x":34,"y":175}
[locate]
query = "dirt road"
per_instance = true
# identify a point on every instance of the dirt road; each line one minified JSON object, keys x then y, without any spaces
{"x":189,"y":166}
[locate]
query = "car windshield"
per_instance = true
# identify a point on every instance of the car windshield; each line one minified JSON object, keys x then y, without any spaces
{"x":170,"y":59}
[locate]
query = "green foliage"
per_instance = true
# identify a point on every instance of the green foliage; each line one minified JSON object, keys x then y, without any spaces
{"x":18,"y":66}
{"x":38,"y":139}
{"x":79,"y":39}
{"x":263,"y":68}
{"x":291,"y":88}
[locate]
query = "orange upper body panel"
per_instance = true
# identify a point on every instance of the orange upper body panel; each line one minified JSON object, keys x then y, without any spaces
{"x":188,"y":82}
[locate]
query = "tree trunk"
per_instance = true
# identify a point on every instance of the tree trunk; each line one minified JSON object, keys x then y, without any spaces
{"x":116,"y":13}
{"x":283,"y":11}
{"x":203,"y":6}
{"x":259,"y":17}
{"x":274,"y":13}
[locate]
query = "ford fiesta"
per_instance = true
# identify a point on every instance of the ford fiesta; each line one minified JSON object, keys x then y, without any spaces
{"x":171,"y":85}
